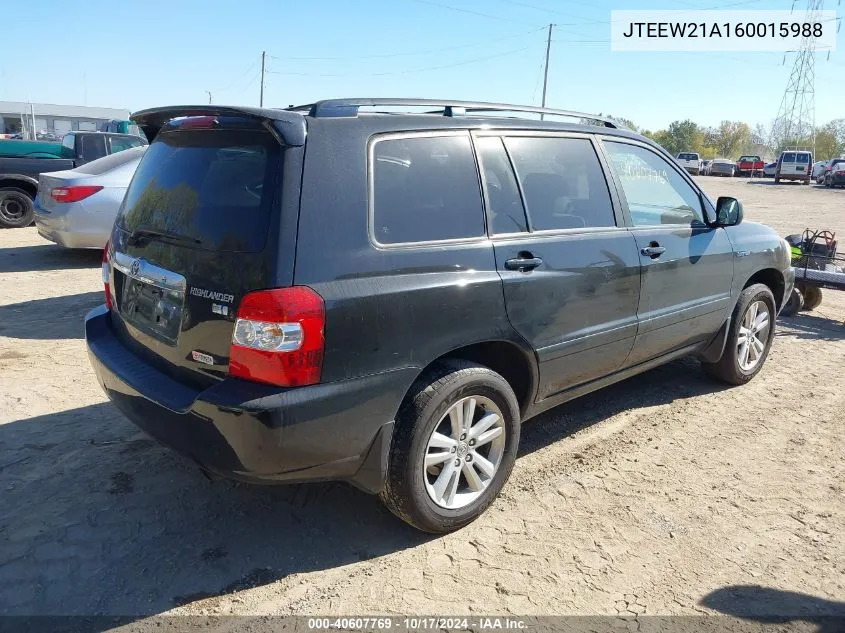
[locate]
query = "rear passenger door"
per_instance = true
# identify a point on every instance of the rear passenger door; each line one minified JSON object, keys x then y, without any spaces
{"x":571,"y":274}
{"x":687,"y":266}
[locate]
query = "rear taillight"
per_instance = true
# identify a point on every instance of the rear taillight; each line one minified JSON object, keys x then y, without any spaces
{"x":278,"y":337}
{"x":106,"y":272}
{"x":74,"y":194}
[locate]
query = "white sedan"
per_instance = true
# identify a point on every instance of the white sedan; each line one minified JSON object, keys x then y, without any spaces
{"x":76,"y":208}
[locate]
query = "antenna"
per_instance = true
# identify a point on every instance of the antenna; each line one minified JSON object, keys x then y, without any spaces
{"x":795,"y":124}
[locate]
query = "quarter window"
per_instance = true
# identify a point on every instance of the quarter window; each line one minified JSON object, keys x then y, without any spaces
{"x":425,"y":189}
{"x":562,"y":182}
{"x":655,"y":191}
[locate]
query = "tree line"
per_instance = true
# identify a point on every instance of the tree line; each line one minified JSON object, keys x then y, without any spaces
{"x":731,"y":139}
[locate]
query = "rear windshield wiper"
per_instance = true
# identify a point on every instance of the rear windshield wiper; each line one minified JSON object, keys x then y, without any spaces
{"x":136,"y":236}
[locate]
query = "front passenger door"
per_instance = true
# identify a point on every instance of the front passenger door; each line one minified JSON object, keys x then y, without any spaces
{"x":687,"y":266}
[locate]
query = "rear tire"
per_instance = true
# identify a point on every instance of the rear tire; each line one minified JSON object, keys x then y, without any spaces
{"x":412,"y":491}
{"x":16,"y":208}
{"x":812,"y":297}
{"x":749,"y":339}
{"x":794,"y":305}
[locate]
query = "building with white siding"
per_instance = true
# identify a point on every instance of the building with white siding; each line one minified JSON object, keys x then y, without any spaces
{"x":55,"y":119}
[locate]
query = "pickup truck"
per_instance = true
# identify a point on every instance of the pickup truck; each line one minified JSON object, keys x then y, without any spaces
{"x":690,"y":161}
{"x":749,"y":164}
{"x":21,"y":162}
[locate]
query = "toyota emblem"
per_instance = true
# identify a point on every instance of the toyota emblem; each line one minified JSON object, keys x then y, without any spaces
{"x":136,"y":267}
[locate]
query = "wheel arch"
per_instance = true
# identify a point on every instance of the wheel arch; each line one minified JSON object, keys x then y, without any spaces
{"x":516,"y":364}
{"x":773,"y":278}
{"x":25,"y":183}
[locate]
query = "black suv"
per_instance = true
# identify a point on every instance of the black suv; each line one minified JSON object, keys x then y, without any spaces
{"x":383,"y":297}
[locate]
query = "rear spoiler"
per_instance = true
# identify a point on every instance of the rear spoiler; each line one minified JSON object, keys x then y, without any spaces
{"x":290,"y":125}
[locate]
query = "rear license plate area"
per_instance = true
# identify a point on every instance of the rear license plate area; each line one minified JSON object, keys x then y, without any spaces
{"x":150,"y":298}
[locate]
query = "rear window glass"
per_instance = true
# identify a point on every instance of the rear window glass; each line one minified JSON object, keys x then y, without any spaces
{"x":425,"y":188}
{"x":788,"y":157}
{"x":803,"y":159}
{"x":688,"y":156}
{"x":107,"y":163}
{"x":215,"y":186}
{"x":91,"y":146}
{"x":121,"y":143}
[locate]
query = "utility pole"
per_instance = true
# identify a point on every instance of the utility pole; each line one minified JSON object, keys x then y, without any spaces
{"x":546,"y":68}
{"x":261,"y":99}
{"x":208,"y":92}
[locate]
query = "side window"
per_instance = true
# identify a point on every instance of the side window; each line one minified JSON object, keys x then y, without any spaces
{"x":504,"y":210}
{"x":562,"y":182}
{"x":425,"y":188}
{"x":67,"y":141}
{"x":120,"y":143}
{"x":93,"y":147}
{"x":656,"y":193}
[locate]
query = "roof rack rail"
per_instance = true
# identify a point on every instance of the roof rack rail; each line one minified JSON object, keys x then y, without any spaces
{"x":349,"y":108}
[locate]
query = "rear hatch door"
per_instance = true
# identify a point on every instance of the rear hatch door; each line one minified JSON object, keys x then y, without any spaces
{"x":197,"y":230}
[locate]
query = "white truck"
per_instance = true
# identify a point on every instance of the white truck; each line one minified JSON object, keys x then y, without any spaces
{"x":690,"y":161}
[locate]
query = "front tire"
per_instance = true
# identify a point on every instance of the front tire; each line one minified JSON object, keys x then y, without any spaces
{"x":16,"y":208}
{"x":750,"y":337}
{"x":455,"y":443}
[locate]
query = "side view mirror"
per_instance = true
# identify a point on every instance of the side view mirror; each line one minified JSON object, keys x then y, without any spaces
{"x":728,"y":211}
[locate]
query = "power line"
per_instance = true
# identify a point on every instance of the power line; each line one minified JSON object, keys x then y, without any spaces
{"x":713,"y":8}
{"x":528,"y":5}
{"x":410,"y":53}
{"x":471,"y":12}
{"x":236,"y":81}
{"x":406,"y":72}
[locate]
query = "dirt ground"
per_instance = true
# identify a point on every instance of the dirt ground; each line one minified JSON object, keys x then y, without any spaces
{"x":666,"y":494}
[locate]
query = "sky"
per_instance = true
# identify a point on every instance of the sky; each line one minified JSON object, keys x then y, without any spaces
{"x":133,"y":55}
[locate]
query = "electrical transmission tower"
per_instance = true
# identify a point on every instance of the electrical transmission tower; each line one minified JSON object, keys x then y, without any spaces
{"x":795,"y":124}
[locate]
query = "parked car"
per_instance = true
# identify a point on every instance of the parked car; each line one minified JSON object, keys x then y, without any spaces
{"x":819,"y":168}
{"x":834,"y":173}
{"x":749,"y":165}
{"x":690,"y":161}
{"x":21,"y":162}
{"x":705,"y":167}
{"x":722,"y":167}
{"x":76,"y":208}
{"x":310,"y":294}
{"x":794,"y":165}
{"x":770,"y":169}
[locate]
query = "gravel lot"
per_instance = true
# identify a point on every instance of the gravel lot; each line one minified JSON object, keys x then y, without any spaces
{"x":666,"y":494}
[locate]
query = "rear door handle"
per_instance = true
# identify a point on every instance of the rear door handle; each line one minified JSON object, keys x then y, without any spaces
{"x":523,"y":263}
{"x":653,"y":251}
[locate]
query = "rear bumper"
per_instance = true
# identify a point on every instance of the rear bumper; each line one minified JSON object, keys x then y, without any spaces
{"x":253,"y":432}
{"x":65,"y":229}
{"x":801,"y":177}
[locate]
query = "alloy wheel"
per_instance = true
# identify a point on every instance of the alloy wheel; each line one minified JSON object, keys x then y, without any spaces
{"x":753,"y":335}
{"x":464,"y":452}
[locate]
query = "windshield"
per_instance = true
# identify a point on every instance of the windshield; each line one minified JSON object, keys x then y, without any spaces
{"x":207,"y":186}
